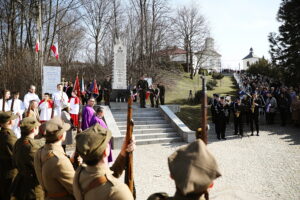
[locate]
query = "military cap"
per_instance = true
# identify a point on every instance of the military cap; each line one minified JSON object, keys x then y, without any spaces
{"x":29,"y":123}
{"x":55,"y":128}
{"x":215,"y":95}
{"x":193,"y":168}
{"x":7,"y":116}
{"x":222,"y":97}
{"x":92,"y":142}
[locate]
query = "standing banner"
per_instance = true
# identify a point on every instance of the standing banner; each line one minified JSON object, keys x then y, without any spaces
{"x":51,"y":77}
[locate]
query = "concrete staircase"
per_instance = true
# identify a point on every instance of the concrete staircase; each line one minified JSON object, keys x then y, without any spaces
{"x":150,"y":127}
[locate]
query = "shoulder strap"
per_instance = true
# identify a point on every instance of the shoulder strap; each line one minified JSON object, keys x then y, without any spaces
{"x":95,"y":183}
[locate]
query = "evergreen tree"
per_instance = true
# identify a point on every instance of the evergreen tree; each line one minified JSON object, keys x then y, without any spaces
{"x":285,"y":46}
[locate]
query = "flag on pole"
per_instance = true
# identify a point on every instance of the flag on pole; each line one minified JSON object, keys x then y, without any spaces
{"x":37,"y":46}
{"x":94,"y":89}
{"x":82,"y":87}
{"x":77,"y":87}
{"x":55,"y":51}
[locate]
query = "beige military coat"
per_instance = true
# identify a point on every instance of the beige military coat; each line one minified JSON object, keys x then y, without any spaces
{"x":112,"y":189}
{"x":54,"y":172}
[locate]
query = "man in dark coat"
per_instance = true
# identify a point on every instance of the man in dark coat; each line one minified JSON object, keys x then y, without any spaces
{"x":107,"y":90}
{"x":142,"y":86}
{"x":162,"y":91}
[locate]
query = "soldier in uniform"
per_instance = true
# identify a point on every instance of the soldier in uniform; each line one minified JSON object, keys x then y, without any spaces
{"x":255,"y":104}
{"x":151,"y":90}
{"x":214,"y":112}
{"x":222,"y":114}
{"x":142,"y":86}
{"x":53,"y":168}
{"x":8,"y":170}
{"x":96,"y":179}
{"x":238,"y":112}
{"x":162,"y":91}
{"x":193,"y":168}
{"x":107,"y":90}
{"x":26,"y":185}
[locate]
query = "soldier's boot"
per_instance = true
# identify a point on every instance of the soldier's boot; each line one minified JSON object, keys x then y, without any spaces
{"x":252,"y":134}
{"x":257,"y":134}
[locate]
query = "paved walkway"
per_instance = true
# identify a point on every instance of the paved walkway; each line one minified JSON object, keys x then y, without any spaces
{"x":264,"y":167}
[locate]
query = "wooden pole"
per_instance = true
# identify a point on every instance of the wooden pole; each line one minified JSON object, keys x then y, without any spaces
{"x":129,"y":169}
{"x":204,"y":111}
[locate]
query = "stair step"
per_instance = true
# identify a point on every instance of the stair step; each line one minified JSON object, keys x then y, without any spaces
{"x":147,"y":126}
{"x":124,"y":123}
{"x":119,"y":115}
{"x":117,"y":112}
{"x":152,"y":130}
{"x":124,"y":118}
{"x":155,"y":135}
{"x":158,"y":140}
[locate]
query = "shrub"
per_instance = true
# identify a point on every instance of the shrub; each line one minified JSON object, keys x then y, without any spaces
{"x":212,"y":82}
{"x":217,"y":75}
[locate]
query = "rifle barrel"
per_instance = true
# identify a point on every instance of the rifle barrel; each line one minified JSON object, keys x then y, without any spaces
{"x":204,"y":111}
{"x":129,"y":171}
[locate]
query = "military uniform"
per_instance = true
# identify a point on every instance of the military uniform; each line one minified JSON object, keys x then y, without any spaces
{"x":53,"y":168}
{"x":214,"y":113}
{"x":26,"y":185}
{"x":8,"y":169}
{"x":98,"y":180}
{"x":222,"y":114}
{"x":193,"y":168}
{"x":254,"y":113}
{"x":107,"y":90}
{"x":238,"y":115}
{"x":142,"y":86}
{"x":162,"y":91}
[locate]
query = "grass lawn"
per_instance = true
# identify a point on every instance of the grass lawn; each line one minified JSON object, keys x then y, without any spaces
{"x":178,"y":93}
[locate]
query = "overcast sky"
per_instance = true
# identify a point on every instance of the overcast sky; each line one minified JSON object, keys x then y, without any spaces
{"x":237,"y":25}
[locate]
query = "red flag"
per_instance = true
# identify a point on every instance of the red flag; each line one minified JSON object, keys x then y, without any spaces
{"x":95,"y":89}
{"x":77,"y":86}
{"x":37,"y":46}
{"x":55,"y":51}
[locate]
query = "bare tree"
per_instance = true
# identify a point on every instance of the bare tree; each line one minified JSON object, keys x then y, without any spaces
{"x":190,"y":28}
{"x":97,"y":17}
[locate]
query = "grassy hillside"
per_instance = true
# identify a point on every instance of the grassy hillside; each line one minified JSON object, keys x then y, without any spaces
{"x":178,"y":93}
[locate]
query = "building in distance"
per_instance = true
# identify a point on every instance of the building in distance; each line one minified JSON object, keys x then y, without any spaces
{"x":249,"y":60}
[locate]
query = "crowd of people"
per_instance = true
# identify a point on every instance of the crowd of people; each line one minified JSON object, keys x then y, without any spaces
{"x":259,"y":97}
{"x":34,"y":164}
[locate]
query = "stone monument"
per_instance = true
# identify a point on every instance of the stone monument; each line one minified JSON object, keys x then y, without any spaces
{"x":119,"y":80}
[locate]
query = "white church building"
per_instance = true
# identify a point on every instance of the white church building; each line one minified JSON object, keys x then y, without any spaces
{"x":249,"y":60}
{"x":209,"y":58}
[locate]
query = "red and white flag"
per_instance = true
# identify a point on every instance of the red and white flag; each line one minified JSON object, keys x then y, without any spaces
{"x":37,"y":46}
{"x":55,"y":51}
{"x":77,"y":87}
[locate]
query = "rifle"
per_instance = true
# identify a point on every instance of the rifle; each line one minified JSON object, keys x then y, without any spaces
{"x":129,"y":161}
{"x":202,"y":132}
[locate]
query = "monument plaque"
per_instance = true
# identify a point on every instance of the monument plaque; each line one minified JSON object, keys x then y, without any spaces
{"x":119,"y":68}
{"x":119,"y":80}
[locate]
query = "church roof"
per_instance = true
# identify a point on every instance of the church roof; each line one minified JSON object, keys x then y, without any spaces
{"x":171,"y":51}
{"x":250,"y":55}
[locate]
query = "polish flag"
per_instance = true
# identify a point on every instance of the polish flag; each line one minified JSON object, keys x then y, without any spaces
{"x":55,"y":51}
{"x":37,"y":46}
